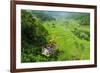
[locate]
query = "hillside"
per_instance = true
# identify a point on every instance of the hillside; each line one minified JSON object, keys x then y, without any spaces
{"x":69,"y":32}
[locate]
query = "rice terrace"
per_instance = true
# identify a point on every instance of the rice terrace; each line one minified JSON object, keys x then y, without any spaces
{"x":54,"y":36}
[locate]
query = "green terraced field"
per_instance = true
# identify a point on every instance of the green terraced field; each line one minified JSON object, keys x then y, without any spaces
{"x":72,"y":46}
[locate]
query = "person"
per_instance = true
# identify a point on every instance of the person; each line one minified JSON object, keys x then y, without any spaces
{"x":50,"y":48}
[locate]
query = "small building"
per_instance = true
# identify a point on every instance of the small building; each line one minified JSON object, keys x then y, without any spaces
{"x":47,"y":51}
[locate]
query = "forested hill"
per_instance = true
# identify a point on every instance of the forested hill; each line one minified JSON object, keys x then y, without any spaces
{"x":82,"y":18}
{"x":43,"y":16}
{"x":48,"y":15}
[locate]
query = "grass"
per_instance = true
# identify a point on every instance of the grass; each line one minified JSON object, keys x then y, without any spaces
{"x":73,"y":48}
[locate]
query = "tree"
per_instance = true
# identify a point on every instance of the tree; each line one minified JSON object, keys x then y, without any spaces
{"x":32,"y":30}
{"x":33,"y":36}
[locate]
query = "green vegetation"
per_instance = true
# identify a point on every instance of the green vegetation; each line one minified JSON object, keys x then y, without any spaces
{"x":68,"y":32}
